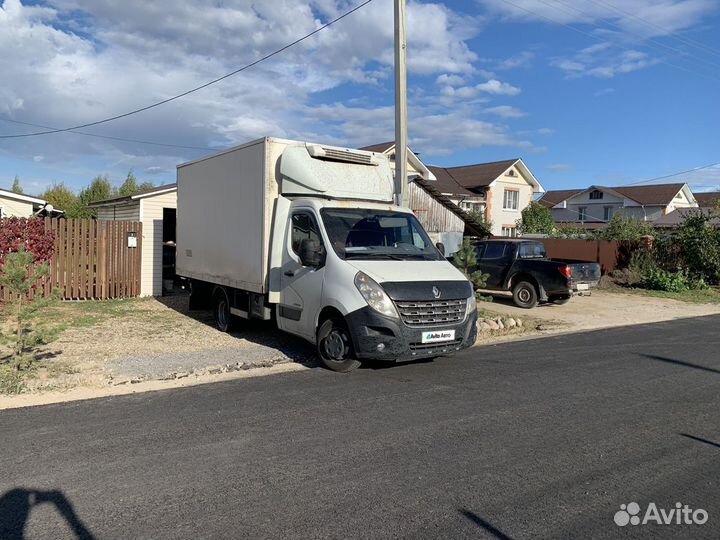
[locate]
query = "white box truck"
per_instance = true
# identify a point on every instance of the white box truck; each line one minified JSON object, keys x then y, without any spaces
{"x":308,"y":235}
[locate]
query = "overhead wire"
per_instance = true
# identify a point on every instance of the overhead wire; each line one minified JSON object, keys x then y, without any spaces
{"x":597,"y":38}
{"x":112,"y":138}
{"x":195,"y":89}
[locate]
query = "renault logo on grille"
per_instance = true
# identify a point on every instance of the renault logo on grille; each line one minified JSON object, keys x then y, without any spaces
{"x":436,"y":292}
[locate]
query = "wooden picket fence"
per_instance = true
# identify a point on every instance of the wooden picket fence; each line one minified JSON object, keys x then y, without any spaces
{"x":93,"y":260}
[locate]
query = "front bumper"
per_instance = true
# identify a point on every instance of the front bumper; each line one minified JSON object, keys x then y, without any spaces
{"x":376,"y":337}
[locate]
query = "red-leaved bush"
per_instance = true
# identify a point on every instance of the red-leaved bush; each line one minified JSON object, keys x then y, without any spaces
{"x":28,"y":232}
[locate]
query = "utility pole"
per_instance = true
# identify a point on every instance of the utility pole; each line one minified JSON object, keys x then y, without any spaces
{"x":400,"y":105}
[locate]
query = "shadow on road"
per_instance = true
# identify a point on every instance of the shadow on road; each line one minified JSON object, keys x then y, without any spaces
{"x":480,"y":522}
{"x":700,"y":439}
{"x":680,"y":363}
{"x":16,"y":505}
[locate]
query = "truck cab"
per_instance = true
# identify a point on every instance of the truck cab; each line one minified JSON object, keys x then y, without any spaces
{"x":340,"y":265}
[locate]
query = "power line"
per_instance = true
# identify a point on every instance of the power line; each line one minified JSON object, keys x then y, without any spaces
{"x":648,"y":180}
{"x":687,"y":41}
{"x":615,"y":25}
{"x":579,"y":31}
{"x":192,"y":90}
{"x":140,"y":141}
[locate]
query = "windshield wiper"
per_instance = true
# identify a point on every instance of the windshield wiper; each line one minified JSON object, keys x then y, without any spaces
{"x":371,"y":255}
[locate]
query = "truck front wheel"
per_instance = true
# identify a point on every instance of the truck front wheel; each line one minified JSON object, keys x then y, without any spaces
{"x":334,"y":346}
{"x":525,"y":295}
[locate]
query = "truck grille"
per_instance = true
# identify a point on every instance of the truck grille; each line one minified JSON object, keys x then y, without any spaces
{"x":433,"y":347}
{"x":432,"y":313}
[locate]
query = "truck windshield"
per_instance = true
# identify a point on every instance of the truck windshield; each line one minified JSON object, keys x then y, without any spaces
{"x":362,"y":233}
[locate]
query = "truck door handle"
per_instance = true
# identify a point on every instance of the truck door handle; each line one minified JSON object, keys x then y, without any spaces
{"x":290,"y":273}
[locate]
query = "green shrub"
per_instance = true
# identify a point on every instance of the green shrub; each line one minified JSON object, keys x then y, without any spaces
{"x":466,"y":260}
{"x":662,"y":280}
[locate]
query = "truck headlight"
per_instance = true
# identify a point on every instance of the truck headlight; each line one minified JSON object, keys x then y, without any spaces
{"x":471,"y":305}
{"x":374,"y":295}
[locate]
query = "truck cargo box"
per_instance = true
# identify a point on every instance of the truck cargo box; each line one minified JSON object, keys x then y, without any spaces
{"x":226,"y":202}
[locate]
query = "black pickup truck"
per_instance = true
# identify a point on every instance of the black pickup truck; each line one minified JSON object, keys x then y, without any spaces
{"x":522,"y":267}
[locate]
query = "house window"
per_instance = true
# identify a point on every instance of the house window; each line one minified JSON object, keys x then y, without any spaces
{"x":582,"y":212}
{"x":509,"y":230}
{"x":608,"y":213}
{"x":511,"y":172}
{"x":596,"y":195}
{"x":511,"y":200}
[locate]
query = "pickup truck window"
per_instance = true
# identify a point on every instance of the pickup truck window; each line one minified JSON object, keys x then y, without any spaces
{"x":531,"y":250}
{"x":494,"y":250}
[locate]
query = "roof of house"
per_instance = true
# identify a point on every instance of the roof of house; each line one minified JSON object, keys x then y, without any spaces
{"x":708,"y":199}
{"x":652,"y":195}
{"x":431,"y":187}
{"x":445,"y":183}
{"x":480,"y":174}
{"x":678,"y":216}
{"x":150,"y":192}
{"x":21,"y":197}
{"x":378,"y":147}
{"x":551,"y":198}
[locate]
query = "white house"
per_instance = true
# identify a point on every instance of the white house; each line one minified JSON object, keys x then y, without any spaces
{"x":18,"y":205}
{"x":593,"y":207}
{"x":499,"y":191}
{"x":156,"y":209}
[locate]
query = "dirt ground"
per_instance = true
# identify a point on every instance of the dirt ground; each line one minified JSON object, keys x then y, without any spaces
{"x":606,"y":309}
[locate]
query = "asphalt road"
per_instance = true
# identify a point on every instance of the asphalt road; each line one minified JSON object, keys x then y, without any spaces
{"x":537,"y":439}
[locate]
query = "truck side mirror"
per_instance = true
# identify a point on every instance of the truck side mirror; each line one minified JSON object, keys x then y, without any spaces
{"x":441,"y":248}
{"x":311,"y":253}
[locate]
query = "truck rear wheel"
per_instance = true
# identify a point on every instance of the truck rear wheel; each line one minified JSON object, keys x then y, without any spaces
{"x":334,"y":346}
{"x":221,"y":310}
{"x":525,"y":295}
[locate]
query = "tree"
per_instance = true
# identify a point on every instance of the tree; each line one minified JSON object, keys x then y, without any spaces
{"x":16,"y":187}
{"x":465,"y":260}
{"x":20,"y":275}
{"x":98,"y":190}
{"x":484,"y":226}
{"x":62,"y":198}
{"x":129,"y":186}
{"x":536,"y":219}
{"x":626,"y":229}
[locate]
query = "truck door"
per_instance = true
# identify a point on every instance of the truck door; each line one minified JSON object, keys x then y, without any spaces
{"x":495,"y":260}
{"x":301,"y":286}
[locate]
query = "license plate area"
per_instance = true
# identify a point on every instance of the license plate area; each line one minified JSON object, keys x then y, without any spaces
{"x":582,"y":286}
{"x":437,"y":336}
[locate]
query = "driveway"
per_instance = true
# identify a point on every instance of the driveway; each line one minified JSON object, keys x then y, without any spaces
{"x":541,"y":439}
{"x":606,"y":310}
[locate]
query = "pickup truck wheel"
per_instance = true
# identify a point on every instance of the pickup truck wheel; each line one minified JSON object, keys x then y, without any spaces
{"x":334,"y":346}
{"x":221,"y":310}
{"x":525,"y":295}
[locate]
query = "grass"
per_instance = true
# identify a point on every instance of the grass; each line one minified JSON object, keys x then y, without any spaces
{"x":696,"y":296}
{"x":50,"y":323}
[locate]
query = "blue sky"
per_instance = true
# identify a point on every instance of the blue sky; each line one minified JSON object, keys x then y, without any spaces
{"x":585,"y":91}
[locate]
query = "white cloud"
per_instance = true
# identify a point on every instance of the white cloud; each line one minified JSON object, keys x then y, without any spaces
{"x":449,"y":80}
{"x":603,"y":61}
{"x":640,"y":18}
{"x":560,"y":167}
{"x":493,"y":86}
{"x":519,"y":60}
{"x":506,"y":111}
{"x":75,"y":61}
